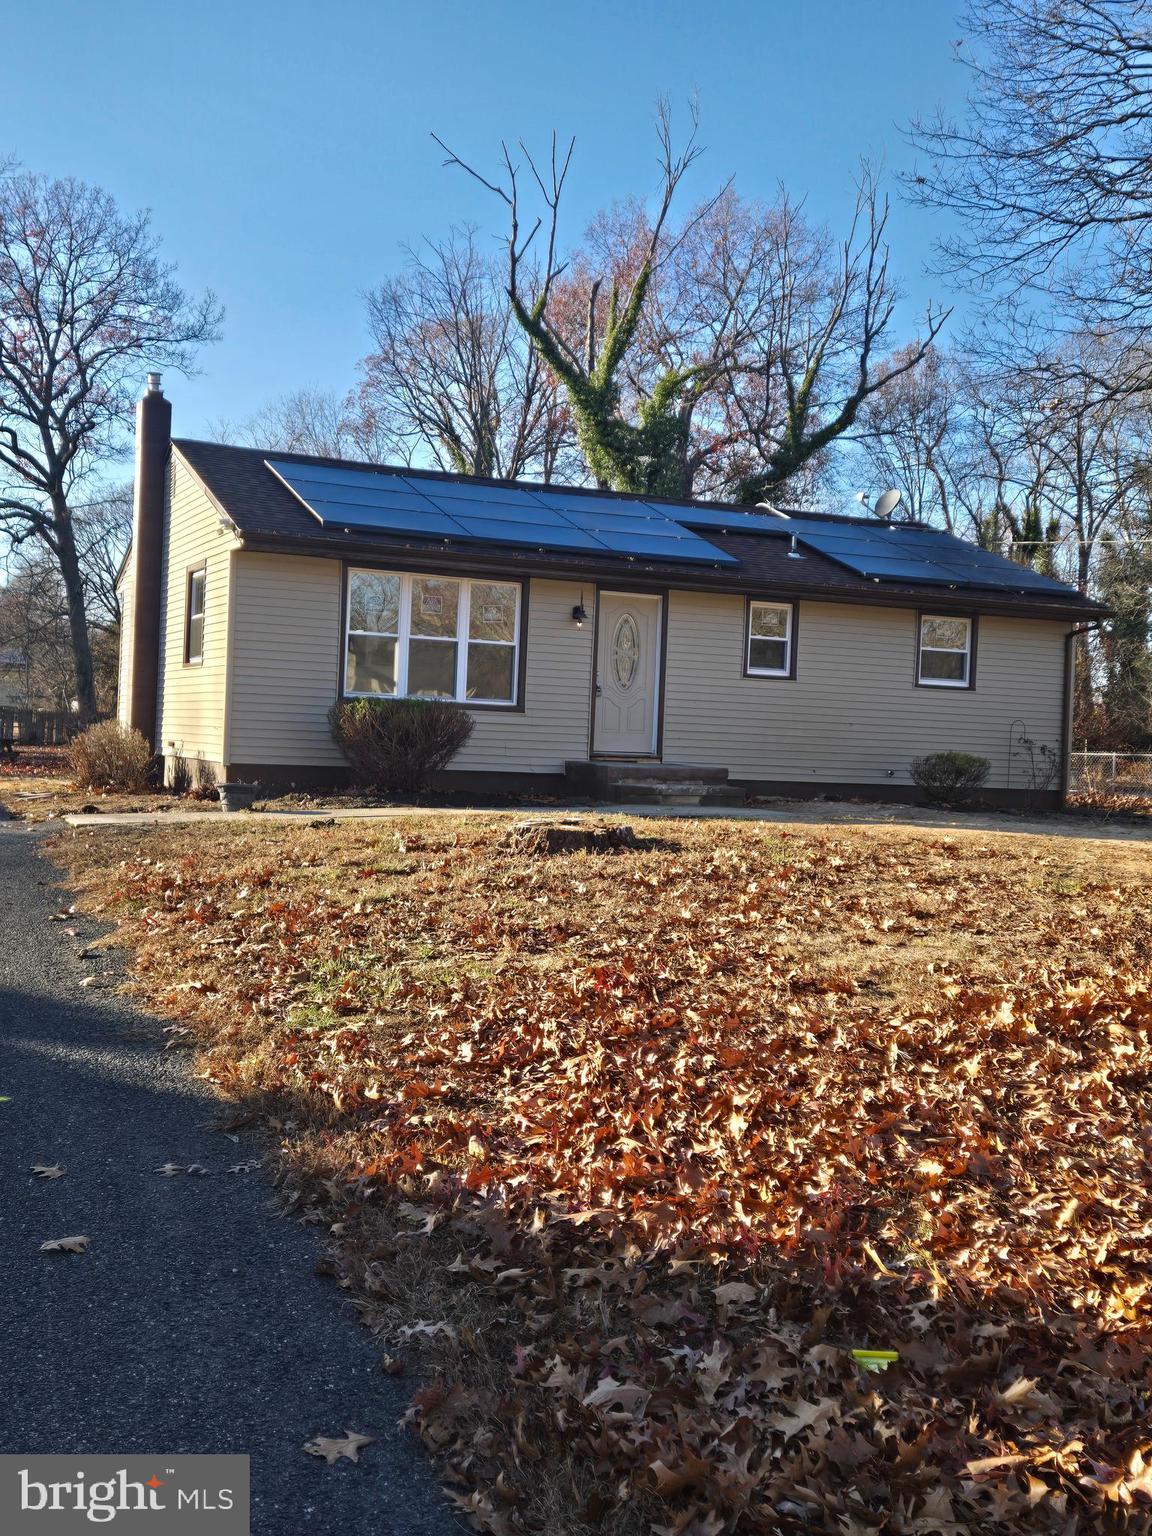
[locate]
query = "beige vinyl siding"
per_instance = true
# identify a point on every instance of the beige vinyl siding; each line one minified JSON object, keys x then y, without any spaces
{"x":285,"y":656}
{"x":124,"y":670}
{"x":193,"y":698}
{"x":286,"y":671}
{"x":853,"y":714}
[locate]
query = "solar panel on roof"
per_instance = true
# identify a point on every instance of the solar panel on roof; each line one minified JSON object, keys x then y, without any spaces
{"x":467,"y":493}
{"x":474,"y":512}
{"x":489,"y":530}
{"x":897,"y":553}
{"x":389,"y":518}
{"x":319,"y":492}
{"x":625,"y":522}
{"x":555,"y":518}
{"x":665,"y":546}
{"x":733,"y":521}
{"x":497,"y":511}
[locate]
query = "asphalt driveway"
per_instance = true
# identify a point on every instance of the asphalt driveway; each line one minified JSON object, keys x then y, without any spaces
{"x":194,"y":1322}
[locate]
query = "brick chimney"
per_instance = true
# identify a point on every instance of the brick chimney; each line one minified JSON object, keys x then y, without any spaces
{"x":153,"y":440}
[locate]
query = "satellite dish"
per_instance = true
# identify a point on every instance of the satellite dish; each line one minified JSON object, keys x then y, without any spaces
{"x":861,"y":497}
{"x":887,"y":504}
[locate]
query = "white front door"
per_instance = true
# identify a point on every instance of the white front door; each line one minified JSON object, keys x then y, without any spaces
{"x":627,"y":675}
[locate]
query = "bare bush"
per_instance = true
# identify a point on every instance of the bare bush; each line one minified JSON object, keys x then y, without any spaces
{"x":204,"y":784}
{"x":111,"y":756}
{"x":398,"y":745}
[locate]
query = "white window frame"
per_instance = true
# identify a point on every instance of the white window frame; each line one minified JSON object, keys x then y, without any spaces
{"x":461,"y":641}
{"x":195,"y":658}
{"x":789,"y":638}
{"x":945,"y":650}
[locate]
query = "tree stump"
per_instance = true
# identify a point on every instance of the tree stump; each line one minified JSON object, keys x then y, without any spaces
{"x":569,"y":835}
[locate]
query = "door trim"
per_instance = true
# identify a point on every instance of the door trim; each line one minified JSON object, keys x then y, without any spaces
{"x":661,"y":594}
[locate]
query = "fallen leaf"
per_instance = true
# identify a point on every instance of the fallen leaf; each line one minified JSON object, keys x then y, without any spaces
{"x":49,"y":1170}
{"x":611,"y":1392}
{"x":332,"y":1450}
{"x":734,"y":1291}
{"x":66,"y":1245}
{"x":1021,"y":1388}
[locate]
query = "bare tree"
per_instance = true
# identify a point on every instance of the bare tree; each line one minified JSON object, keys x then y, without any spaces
{"x":643,"y":455}
{"x":103,"y":533}
{"x":800,"y":384}
{"x":909,"y":432}
{"x":1051,"y":172}
{"x":85,"y":305}
{"x":731,"y":350}
{"x":452,"y":377}
{"x":307,"y":420}
{"x":1020,"y":451}
{"x":34,"y":628}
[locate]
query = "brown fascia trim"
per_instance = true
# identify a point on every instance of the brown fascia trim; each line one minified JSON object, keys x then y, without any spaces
{"x":969,"y":601}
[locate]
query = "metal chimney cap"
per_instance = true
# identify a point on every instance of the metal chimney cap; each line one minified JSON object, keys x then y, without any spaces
{"x":154,"y":384}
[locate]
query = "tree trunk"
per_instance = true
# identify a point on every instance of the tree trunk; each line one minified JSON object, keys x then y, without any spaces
{"x":69,"y":563}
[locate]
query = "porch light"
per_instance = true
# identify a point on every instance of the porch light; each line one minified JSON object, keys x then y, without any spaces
{"x":578,"y":614}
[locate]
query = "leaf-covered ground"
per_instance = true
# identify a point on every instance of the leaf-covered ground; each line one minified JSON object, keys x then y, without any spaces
{"x":627,"y":1154}
{"x":35,"y":785}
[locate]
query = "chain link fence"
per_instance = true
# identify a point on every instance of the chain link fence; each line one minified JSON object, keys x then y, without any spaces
{"x":1111,"y":773}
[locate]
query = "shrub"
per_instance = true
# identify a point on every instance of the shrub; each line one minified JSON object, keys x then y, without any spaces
{"x":396,"y":745}
{"x":204,"y":785}
{"x":947,"y":777}
{"x":179,"y":774}
{"x":110,"y":756}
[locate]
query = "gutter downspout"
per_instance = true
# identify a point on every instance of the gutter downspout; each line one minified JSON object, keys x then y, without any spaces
{"x":1069,"y":702}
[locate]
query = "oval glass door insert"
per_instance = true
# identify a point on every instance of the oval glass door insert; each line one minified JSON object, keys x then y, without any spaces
{"x":625,"y":650}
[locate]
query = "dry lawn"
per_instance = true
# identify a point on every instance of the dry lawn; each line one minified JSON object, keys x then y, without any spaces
{"x":624,"y":1155}
{"x":36,"y":786}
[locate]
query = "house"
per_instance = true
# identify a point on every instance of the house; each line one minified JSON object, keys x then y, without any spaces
{"x":592,"y":636}
{"x":13,"y":680}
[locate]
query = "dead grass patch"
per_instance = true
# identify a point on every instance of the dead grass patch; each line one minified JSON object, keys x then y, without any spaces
{"x":631,"y":1152}
{"x":37,"y":786}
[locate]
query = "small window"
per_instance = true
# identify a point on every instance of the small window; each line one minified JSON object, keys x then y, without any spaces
{"x":770,"y":640}
{"x":194,"y":621}
{"x":945,"y":651}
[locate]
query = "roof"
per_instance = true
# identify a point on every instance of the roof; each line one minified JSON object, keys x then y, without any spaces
{"x":267,"y":515}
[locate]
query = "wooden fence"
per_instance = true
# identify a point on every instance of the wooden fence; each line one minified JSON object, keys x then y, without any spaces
{"x":37,"y":727}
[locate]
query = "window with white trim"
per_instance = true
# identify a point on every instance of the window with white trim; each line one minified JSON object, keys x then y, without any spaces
{"x":194,"y":617}
{"x":768,"y":650}
{"x":945,"y":659}
{"x":432,"y":637}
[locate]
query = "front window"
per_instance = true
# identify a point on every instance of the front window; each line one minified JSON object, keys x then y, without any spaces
{"x":194,"y":618}
{"x":432,"y":637}
{"x":945,"y":651}
{"x":769,"y":650}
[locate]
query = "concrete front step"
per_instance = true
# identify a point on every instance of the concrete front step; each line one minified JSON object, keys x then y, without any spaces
{"x":671,"y":792}
{"x":587,"y":775}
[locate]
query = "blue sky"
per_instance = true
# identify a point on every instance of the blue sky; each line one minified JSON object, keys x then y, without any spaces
{"x":284,"y":148}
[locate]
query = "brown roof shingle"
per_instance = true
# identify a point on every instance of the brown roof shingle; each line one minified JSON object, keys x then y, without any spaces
{"x":267,"y":515}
